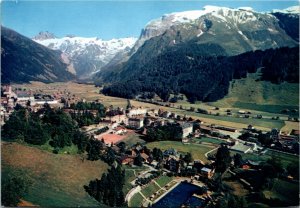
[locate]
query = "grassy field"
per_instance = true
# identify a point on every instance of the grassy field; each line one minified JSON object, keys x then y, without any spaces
{"x":197,"y":150}
{"x":58,"y":179}
{"x":130,"y":175}
{"x":266,"y":123}
{"x":284,"y":158}
{"x":209,"y":140}
{"x":150,"y":189}
{"x":132,"y":139}
{"x":260,"y":95}
{"x":284,"y":190}
{"x":237,"y":188}
{"x":72,"y":150}
{"x":289,"y":126}
{"x":163,"y":180}
{"x":90,"y":93}
{"x":136,"y":200}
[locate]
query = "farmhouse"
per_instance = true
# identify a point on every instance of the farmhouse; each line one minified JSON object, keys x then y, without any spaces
{"x":207,"y":172}
{"x":187,"y":129}
{"x":137,"y":112}
{"x":244,"y":148}
{"x":126,"y":160}
{"x":136,"y":123}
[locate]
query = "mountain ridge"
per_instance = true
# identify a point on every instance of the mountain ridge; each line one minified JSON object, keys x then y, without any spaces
{"x":23,"y":60}
{"x":235,"y":31}
{"x":88,"y":55}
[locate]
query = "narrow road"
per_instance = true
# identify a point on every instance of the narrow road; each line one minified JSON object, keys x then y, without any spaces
{"x":210,"y":151}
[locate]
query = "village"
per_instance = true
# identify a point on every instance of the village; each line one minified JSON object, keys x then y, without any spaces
{"x":163,"y":168}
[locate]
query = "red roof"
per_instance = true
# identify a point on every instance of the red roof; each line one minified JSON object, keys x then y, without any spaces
{"x":111,"y":138}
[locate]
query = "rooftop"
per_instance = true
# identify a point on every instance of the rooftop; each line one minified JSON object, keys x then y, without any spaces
{"x":111,"y":138}
{"x":206,"y":169}
{"x":240,"y":147}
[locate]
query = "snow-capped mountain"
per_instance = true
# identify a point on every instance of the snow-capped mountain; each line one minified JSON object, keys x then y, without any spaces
{"x":213,"y":31}
{"x":289,"y":10}
{"x":238,"y":20}
{"x":88,"y":55}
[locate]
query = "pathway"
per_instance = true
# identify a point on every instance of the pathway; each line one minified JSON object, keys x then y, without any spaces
{"x":144,"y":196}
{"x":206,"y":154}
{"x":157,"y":184}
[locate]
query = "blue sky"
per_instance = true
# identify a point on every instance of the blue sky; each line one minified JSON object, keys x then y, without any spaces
{"x":105,"y":19}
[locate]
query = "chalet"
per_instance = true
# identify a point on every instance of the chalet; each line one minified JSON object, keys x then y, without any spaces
{"x":170,"y":152}
{"x":127,"y":160}
{"x":187,"y":129}
{"x":172,"y":164}
{"x":166,"y":114}
{"x":242,"y":112}
{"x":118,"y":118}
{"x":137,"y":112}
{"x":250,"y":127}
{"x":145,"y":157}
{"x":154,"y":163}
{"x":173,"y":115}
{"x":116,"y":148}
{"x":207,"y":172}
{"x":198,"y":165}
{"x":131,"y":153}
{"x":159,"y":122}
{"x":136,"y":123}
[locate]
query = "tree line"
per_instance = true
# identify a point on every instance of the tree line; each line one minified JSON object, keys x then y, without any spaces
{"x":202,"y":77}
{"x":47,"y":125}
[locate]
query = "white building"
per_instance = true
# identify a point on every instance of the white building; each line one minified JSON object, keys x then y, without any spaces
{"x":187,"y":129}
{"x":137,"y":112}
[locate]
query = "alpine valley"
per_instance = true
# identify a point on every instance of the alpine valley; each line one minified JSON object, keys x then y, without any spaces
{"x":199,"y":109}
{"x":196,"y":53}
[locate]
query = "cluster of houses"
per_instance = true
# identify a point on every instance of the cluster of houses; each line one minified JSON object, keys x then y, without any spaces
{"x":121,"y":122}
{"x":172,"y":161}
{"x":288,"y":142}
{"x":10,"y":98}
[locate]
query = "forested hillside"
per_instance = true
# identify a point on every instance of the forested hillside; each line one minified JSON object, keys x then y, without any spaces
{"x":201,"y":77}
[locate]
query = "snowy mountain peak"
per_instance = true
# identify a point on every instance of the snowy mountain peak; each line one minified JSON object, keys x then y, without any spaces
{"x":246,"y":9}
{"x":44,"y":35}
{"x":289,"y":10}
{"x":188,"y":16}
{"x":88,"y":55}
